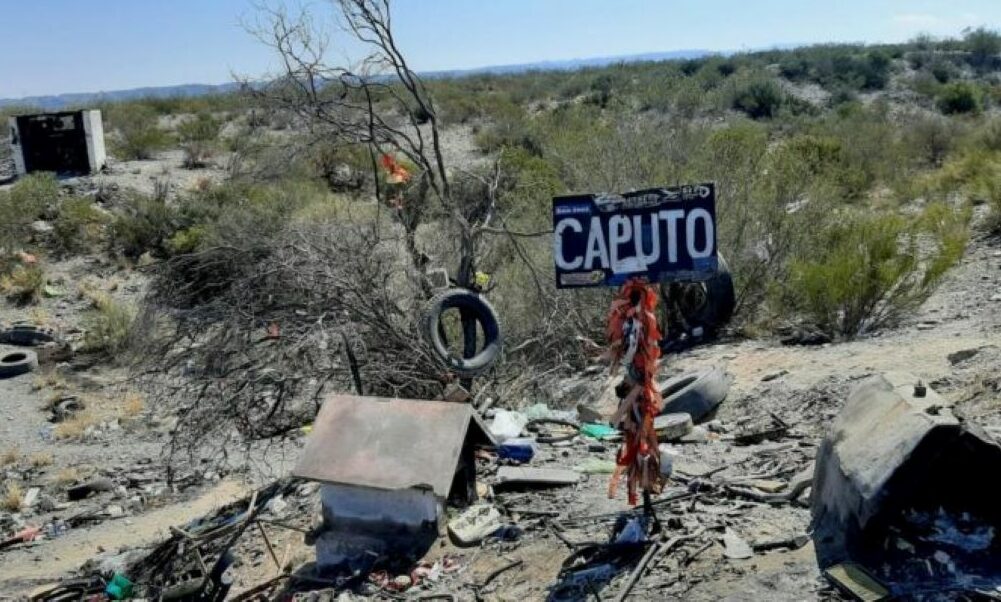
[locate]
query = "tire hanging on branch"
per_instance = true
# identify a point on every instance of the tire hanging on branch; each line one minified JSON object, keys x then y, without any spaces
{"x":472,"y":304}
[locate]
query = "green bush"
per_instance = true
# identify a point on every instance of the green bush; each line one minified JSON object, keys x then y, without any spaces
{"x":22,"y":204}
{"x":983,"y":46}
{"x":138,"y":134}
{"x":24,"y":284}
{"x":108,"y":326}
{"x":759,"y":98}
{"x":198,"y":139}
{"x":959,"y":97}
{"x":865,"y":270}
{"x":143,"y":224}
{"x":79,"y":225}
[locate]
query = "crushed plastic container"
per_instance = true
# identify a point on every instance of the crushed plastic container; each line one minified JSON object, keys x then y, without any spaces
{"x":507,"y":425}
{"x":119,"y":588}
{"x":519,"y":449}
{"x":598,"y":431}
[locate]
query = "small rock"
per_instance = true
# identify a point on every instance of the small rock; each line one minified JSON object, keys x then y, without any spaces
{"x":47,"y":503}
{"x":41,"y":227}
{"x":773,"y":375}
{"x":996,"y":297}
{"x":114,"y":511}
{"x":769,"y":485}
{"x":698,"y":434}
{"x":402,"y":582}
{"x":735,"y":546}
{"x":962,"y":355}
{"x":30,"y":497}
{"x":276,"y":505}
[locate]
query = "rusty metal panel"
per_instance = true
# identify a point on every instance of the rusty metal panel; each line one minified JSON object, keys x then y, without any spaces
{"x":389,"y":443}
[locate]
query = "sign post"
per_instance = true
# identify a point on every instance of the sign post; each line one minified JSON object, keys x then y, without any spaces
{"x":631,"y":241}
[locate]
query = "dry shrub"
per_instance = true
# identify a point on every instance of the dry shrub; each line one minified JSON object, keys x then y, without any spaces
{"x":74,"y":427}
{"x":67,"y":476}
{"x":12,"y":497}
{"x":108,"y":325}
{"x":10,"y":456}
{"x":133,"y":405}
{"x":41,"y":459}
{"x":24,"y":284}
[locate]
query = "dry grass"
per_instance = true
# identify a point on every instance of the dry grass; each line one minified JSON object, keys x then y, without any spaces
{"x":40,"y":316}
{"x":41,"y":460}
{"x":12,"y":498}
{"x":75,"y":426}
{"x":10,"y":456}
{"x":67,"y":476}
{"x":133,"y":405}
{"x":49,"y":378}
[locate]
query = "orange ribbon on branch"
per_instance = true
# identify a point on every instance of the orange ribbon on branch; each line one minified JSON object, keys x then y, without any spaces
{"x":395,"y":173}
{"x":634,"y":340}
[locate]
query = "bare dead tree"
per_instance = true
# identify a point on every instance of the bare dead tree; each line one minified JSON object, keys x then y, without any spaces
{"x":243,"y":339}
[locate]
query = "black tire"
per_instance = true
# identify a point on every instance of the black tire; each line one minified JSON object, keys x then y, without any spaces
{"x":696,"y":393}
{"x":26,"y":335}
{"x":481,"y":310}
{"x":715,"y":311}
{"x":15,"y":363}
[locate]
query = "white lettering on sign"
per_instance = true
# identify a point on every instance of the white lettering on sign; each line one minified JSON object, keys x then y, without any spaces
{"x":671,"y":216}
{"x":596,"y":248}
{"x":561,"y":260}
{"x":645,"y":258}
{"x":707,"y":225}
{"x":629,"y":245}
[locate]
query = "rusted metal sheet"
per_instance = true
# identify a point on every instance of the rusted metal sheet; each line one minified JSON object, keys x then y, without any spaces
{"x":389,"y":443}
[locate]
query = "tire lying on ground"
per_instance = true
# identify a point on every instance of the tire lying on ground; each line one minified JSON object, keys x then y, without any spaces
{"x":696,"y":393}
{"x":14,"y":363}
{"x":482,"y":312}
{"x":27,"y":335}
{"x":710,"y":304}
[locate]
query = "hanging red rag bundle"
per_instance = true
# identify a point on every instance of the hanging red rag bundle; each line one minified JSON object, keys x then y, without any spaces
{"x":634,"y":340}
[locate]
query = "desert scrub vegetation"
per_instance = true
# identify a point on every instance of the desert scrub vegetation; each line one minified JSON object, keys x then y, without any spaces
{"x":136,"y":133}
{"x":869,"y":270}
{"x":108,"y":325}
{"x":79,"y":226}
{"x":842,"y":176}
{"x":24,"y":283}
{"x":198,"y":137}
{"x":22,"y":204}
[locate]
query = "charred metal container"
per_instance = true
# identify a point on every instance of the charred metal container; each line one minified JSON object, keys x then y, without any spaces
{"x":907,"y":490}
{"x":67,"y":143}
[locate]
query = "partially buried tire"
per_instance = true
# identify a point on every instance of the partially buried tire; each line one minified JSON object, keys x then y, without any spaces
{"x":696,"y":393}
{"x":710,"y":304}
{"x":482,"y":312}
{"x":15,"y":363}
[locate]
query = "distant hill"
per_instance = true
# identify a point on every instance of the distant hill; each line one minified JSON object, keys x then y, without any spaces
{"x":61,"y":101}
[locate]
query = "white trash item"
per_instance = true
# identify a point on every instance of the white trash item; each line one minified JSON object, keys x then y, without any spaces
{"x":507,"y":425}
{"x":667,"y":455}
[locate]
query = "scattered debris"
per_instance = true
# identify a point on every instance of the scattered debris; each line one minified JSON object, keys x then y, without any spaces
{"x":475,"y":524}
{"x":536,"y":477}
{"x":857,"y":582}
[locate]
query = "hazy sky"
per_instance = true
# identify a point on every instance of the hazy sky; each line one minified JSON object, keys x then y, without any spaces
{"x":57,"y":46}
